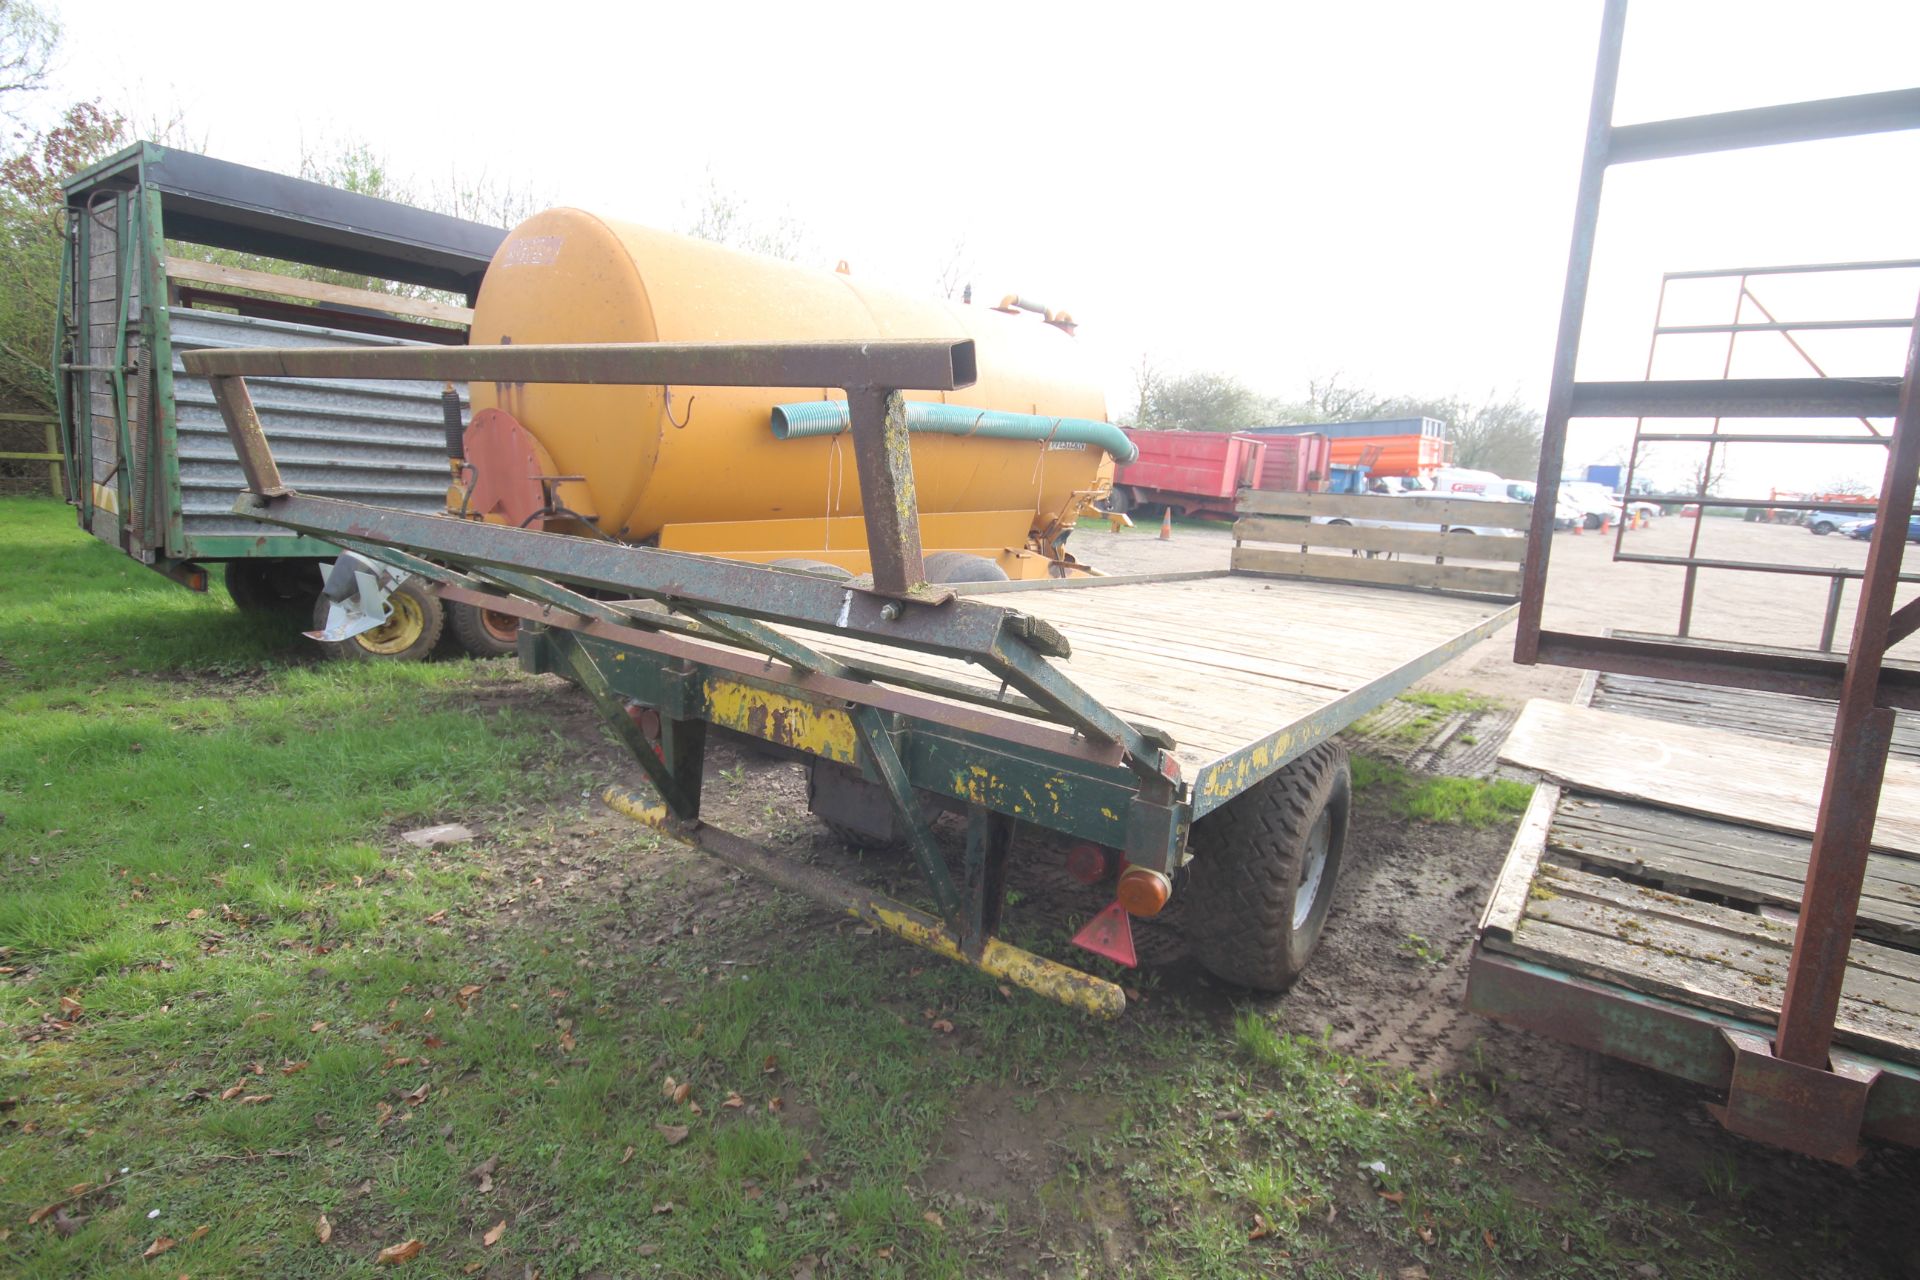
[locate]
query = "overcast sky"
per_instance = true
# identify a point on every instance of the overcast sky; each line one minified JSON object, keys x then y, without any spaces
{"x":1278,"y":191}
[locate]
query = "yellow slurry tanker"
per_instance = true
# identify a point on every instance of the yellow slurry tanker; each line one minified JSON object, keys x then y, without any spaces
{"x":758,"y":474}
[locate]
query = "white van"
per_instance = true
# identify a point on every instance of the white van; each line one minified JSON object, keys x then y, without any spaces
{"x":1451,"y":480}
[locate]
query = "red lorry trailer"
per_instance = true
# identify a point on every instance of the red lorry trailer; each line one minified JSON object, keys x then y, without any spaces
{"x":1200,"y":472}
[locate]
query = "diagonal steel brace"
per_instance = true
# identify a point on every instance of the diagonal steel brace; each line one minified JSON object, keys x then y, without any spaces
{"x":872,"y":728}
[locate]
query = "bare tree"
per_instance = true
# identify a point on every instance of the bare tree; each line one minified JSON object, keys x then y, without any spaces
{"x":1707,"y":474}
{"x":721,"y":216}
{"x":28,"y":38}
{"x":956,"y":273}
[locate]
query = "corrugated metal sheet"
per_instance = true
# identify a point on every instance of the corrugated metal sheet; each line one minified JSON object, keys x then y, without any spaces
{"x":379,"y":442}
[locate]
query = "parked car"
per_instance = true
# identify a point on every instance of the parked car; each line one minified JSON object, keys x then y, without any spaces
{"x":1595,"y":501}
{"x":1826,"y":522}
{"x":1485,"y":531}
{"x":1863,"y":529}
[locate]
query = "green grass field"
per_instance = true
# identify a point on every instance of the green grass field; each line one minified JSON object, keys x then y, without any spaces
{"x":238,"y":1014}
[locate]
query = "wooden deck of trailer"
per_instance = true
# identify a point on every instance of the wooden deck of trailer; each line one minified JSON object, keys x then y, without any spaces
{"x":1697,"y":910}
{"x":1226,"y":662}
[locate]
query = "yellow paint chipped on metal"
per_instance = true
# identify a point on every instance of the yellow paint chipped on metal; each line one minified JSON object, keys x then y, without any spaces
{"x":1057,"y":982}
{"x":782,"y":718}
{"x":1037,"y":974}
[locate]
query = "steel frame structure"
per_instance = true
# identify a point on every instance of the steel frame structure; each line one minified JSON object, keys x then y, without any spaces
{"x":1790,"y":1090}
{"x":1713,"y":438}
{"x":667,"y":644}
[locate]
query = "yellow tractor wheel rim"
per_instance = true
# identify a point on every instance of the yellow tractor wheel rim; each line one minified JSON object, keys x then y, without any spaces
{"x":400,"y":631}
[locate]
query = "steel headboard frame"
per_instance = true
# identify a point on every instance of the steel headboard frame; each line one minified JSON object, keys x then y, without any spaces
{"x":1792,"y":1091}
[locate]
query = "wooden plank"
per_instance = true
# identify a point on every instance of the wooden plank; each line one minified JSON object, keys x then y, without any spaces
{"x":1508,"y":901}
{"x":1639,"y":967}
{"x":1625,"y":828}
{"x":1731,"y":863}
{"x":1396,"y":573}
{"x":1760,"y":940}
{"x":1750,"y":780}
{"x":315,"y":291}
{"x":1420,"y":542}
{"x":1374,"y":506}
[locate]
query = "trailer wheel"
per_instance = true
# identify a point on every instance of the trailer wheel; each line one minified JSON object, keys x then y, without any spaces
{"x":958,"y":566}
{"x":408,"y":636}
{"x":1122,"y":500}
{"x":1263,"y":870}
{"x":483,"y":633}
{"x":281,"y":587}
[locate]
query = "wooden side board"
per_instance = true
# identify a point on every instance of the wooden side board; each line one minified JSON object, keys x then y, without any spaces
{"x":1392,"y":573}
{"x":1373,"y":506}
{"x":1703,"y":954}
{"x":211,"y":273}
{"x":1358,"y":537}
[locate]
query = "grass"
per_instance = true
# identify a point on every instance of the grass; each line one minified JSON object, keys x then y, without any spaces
{"x":233,"y":1002}
{"x":1430,"y":710}
{"x":1470,"y":802}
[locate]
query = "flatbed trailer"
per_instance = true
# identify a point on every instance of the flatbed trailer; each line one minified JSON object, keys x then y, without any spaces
{"x":1175,"y":731}
{"x":1663,"y":936}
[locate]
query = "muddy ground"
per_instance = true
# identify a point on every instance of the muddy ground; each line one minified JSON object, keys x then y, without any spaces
{"x":1386,"y":985}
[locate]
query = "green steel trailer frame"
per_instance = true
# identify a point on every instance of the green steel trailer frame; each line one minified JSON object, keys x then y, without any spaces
{"x":147,"y":465}
{"x":1174,"y":757}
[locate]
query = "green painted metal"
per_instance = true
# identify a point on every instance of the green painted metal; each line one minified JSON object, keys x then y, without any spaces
{"x":831,"y":417}
{"x":1676,"y":1039}
{"x":160,"y":362}
{"x":1073,"y":797}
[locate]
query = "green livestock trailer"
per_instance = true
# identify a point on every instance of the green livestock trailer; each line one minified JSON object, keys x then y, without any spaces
{"x":169,"y":252}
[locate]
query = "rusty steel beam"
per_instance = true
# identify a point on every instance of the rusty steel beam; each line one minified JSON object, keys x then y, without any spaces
{"x":878,"y":421}
{"x":1573,"y":309}
{"x":1767,"y":126}
{"x":249,"y":441}
{"x":1856,"y":762}
{"x":911,"y":365}
{"x":1049,"y":978}
{"x":1017,"y":725}
{"x":1804,"y":674}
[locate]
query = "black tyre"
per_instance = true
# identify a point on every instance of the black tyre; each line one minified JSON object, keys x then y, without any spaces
{"x":1263,"y":872}
{"x":409,"y":635}
{"x":1821,"y":528}
{"x":483,"y":633}
{"x":1122,"y":500}
{"x":283,"y":587}
{"x":958,"y":566}
{"x":818,"y":568}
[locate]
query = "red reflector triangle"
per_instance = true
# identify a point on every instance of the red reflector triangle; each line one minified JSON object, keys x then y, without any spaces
{"x":1109,"y":934}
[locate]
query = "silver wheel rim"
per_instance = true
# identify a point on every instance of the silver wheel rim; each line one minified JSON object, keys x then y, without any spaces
{"x":1319,"y":841}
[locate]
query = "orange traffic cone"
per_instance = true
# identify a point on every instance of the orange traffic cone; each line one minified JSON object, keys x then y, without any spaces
{"x":1579,"y":525}
{"x":1166,"y":525}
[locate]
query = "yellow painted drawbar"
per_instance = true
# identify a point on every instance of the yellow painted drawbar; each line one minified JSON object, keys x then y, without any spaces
{"x":699,"y":469}
{"x":1009,"y":963}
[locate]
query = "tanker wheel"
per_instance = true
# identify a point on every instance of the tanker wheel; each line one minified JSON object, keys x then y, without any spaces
{"x":948,"y":567}
{"x":818,"y":568}
{"x":273,"y":587}
{"x":483,"y":633}
{"x":1122,"y":500}
{"x":408,"y":635}
{"x":1263,"y":870}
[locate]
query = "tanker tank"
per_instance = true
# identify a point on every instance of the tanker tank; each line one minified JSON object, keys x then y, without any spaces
{"x":716,"y":469}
